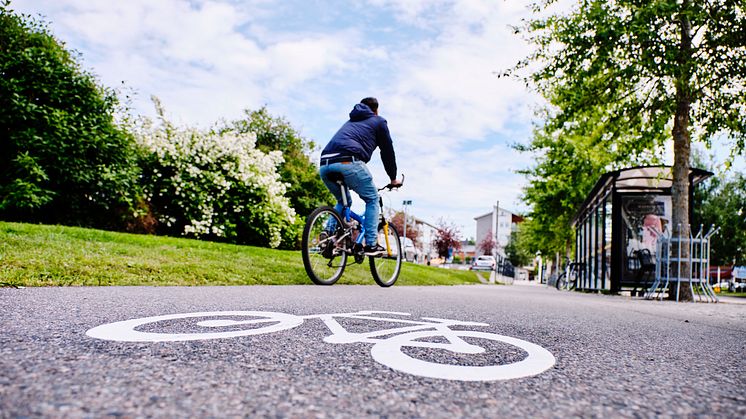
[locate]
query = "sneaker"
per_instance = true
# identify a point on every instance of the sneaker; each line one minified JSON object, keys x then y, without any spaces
{"x":376,"y":250}
{"x":326,"y":245}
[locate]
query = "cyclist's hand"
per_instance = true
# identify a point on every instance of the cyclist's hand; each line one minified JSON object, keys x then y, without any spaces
{"x":395,"y":183}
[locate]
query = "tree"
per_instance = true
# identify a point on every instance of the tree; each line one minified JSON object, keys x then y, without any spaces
{"x":305,"y":190}
{"x":722,"y":203}
{"x":447,"y":238}
{"x":642,"y":69}
{"x":488,"y":244}
{"x":413,"y":232}
{"x":63,"y":158}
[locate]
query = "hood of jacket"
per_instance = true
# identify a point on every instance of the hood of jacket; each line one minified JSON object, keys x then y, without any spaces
{"x":361,"y":112}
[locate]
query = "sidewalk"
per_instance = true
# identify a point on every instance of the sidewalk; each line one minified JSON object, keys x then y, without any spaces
{"x":493,"y":278}
{"x":731,"y":300}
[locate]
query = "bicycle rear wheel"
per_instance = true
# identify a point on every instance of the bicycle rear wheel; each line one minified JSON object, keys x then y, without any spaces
{"x":385,"y":269}
{"x":323,"y":259}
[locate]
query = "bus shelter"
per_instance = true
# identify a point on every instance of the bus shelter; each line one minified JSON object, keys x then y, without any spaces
{"x":617,"y":226}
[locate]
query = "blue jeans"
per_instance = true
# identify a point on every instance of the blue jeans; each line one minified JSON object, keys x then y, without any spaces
{"x":358,"y":178}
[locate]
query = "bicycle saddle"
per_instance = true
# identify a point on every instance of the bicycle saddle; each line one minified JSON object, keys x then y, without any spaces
{"x":336,"y":177}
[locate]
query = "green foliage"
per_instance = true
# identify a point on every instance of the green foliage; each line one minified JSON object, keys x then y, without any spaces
{"x":305,"y":190}
{"x":519,"y":248}
{"x":217,"y":186}
{"x":569,"y":162}
{"x":63,"y":159}
{"x":722,"y":203}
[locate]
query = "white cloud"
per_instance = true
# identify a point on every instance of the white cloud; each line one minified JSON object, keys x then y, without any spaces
{"x":201,"y":58}
{"x":452,"y":116}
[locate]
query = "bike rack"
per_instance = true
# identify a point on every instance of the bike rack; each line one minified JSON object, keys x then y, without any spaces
{"x":669,"y":263}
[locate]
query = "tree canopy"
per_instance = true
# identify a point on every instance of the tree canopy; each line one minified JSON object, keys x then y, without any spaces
{"x":447,"y":238}
{"x":63,"y":158}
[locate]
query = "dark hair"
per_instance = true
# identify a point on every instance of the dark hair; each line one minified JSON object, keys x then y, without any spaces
{"x":371,"y":102}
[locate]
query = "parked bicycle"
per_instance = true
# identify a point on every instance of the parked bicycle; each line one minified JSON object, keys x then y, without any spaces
{"x":392,"y":346}
{"x":330,"y":241}
{"x":568,"y":279}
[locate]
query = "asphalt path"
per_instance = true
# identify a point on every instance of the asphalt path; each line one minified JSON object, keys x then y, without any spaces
{"x":612,"y":356}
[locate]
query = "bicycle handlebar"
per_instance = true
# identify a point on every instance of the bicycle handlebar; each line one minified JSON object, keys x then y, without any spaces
{"x":392,"y":187}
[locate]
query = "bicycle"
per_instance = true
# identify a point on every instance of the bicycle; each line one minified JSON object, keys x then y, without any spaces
{"x":330,"y":239}
{"x":388,"y":344}
{"x":568,"y":279}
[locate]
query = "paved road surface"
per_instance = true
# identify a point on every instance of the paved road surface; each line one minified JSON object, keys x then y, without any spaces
{"x":614,"y":356}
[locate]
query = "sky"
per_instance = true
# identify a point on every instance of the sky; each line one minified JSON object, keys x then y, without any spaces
{"x":430,"y":63}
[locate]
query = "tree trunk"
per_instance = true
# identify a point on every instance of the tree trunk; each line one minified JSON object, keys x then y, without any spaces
{"x":682,"y":151}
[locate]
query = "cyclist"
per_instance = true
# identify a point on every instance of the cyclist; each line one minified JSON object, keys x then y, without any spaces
{"x":348,"y":151}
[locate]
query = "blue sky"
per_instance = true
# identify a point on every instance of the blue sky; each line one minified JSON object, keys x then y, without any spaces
{"x":430,"y":63}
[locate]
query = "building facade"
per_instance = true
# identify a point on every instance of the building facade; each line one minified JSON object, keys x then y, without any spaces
{"x":498,"y":223}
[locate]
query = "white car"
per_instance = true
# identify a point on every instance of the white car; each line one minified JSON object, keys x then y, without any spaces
{"x":484,"y":262}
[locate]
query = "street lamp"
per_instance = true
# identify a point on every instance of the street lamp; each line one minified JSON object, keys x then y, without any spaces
{"x":405,"y":203}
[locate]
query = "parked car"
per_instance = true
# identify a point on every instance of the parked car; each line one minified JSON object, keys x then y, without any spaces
{"x":484,"y":262}
{"x":738,"y":281}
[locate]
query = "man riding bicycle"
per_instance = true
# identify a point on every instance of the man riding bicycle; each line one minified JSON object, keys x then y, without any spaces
{"x":346,"y":154}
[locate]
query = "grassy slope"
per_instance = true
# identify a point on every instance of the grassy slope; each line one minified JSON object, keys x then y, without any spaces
{"x":40,"y":255}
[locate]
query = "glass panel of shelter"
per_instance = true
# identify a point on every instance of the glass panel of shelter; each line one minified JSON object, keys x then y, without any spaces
{"x":593,"y":246}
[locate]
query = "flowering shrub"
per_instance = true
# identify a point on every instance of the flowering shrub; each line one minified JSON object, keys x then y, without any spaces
{"x":211,"y":185}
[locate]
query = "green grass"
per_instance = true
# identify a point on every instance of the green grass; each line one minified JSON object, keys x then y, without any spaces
{"x":733,"y":294}
{"x":42,"y":255}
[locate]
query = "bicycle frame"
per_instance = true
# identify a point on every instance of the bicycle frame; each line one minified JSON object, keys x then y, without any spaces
{"x":348,"y":215}
{"x":341,"y":335}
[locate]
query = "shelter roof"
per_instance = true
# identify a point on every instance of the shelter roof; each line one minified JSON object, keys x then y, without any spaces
{"x":640,"y":179}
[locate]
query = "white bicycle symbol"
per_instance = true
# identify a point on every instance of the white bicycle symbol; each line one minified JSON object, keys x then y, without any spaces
{"x":388,"y":344}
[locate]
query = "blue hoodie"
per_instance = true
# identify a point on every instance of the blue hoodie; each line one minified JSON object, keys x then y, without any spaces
{"x":360,"y":136}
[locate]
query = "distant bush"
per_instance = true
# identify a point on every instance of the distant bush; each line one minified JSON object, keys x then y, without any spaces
{"x":63,"y":159}
{"x":217,"y":186}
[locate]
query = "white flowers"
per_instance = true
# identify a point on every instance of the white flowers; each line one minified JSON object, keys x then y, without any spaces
{"x":205,"y":183}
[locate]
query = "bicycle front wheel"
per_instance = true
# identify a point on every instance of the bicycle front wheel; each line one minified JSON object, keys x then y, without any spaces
{"x":562,"y":281}
{"x":572,"y":281}
{"x":385,"y":269}
{"x":392,"y":353}
{"x":323,"y":259}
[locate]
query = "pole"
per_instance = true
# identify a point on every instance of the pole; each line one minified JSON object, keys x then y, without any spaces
{"x":404,"y":204}
{"x":495,"y":223}
{"x":541,"y":271}
{"x":405,"y":224}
